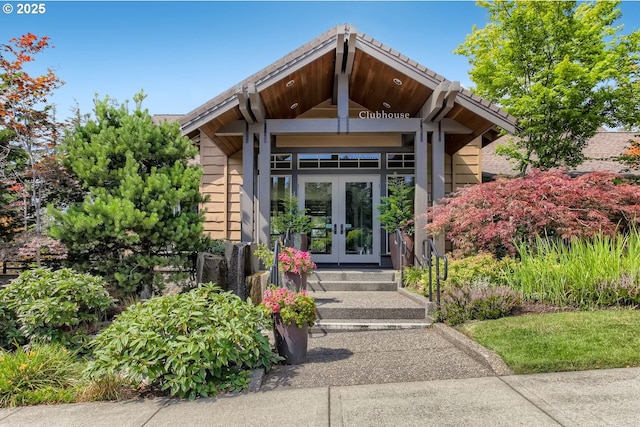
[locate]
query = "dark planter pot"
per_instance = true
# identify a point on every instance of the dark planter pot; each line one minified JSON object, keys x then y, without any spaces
{"x":397,"y":260}
{"x":291,"y":341}
{"x":295,"y":282}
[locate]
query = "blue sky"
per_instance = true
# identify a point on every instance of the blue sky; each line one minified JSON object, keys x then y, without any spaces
{"x":185,"y":53}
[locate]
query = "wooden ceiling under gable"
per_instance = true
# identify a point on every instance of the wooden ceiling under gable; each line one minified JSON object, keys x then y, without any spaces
{"x":293,"y":90}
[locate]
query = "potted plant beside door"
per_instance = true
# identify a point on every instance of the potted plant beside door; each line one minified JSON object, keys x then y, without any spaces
{"x":293,"y":220}
{"x":397,"y":215}
{"x":293,"y":313}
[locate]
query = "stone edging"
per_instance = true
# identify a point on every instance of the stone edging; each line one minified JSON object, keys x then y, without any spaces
{"x":257,"y":376}
{"x":473,"y":349}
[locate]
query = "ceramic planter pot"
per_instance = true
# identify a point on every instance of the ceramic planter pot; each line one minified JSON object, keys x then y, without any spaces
{"x":295,"y":282}
{"x":291,"y":341}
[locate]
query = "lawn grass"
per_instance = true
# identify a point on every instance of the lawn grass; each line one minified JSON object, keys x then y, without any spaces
{"x":567,"y":341}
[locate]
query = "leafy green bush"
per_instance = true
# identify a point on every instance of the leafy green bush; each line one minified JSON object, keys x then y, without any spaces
{"x":477,"y":301}
{"x":10,"y":335}
{"x":463,"y":271}
{"x":194,"y":344}
{"x":41,"y":373}
{"x":60,"y":306}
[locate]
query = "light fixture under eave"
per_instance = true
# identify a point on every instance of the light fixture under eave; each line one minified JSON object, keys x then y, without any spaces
{"x":294,"y":105}
{"x":386,"y":105}
{"x":290,"y":83}
{"x":397,"y":81}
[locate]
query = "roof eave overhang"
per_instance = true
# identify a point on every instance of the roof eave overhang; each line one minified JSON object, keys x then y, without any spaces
{"x":193,"y":120}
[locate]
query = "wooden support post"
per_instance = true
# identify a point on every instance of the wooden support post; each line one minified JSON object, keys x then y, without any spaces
{"x":248,"y":178}
{"x":438,"y":178}
{"x":264,"y":184}
{"x":421,"y":201}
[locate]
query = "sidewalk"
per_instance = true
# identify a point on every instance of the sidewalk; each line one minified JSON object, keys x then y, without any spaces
{"x":588,"y":398}
{"x":397,"y":378}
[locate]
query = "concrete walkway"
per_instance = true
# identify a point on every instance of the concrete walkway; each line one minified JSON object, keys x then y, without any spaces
{"x":433,"y":377}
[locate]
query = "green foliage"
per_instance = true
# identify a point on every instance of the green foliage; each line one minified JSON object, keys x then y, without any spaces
{"x":597,"y":272}
{"x":59,"y":306}
{"x":556,"y":342}
{"x":39,"y":373}
{"x":478,"y":300}
{"x":290,"y":217}
{"x":264,"y":254}
{"x":464,"y":271}
{"x":562,"y":68}
{"x":216,"y":247}
{"x":142,"y":194}
{"x":10,"y":335}
{"x":292,"y":307}
{"x":396,"y":210}
{"x":194,"y":344}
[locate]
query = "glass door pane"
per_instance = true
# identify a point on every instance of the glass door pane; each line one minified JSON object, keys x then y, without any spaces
{"x":359,"y":195}
{"x":318,"y":203}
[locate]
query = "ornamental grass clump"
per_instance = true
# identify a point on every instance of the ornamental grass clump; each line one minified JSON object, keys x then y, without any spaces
{"x":291,"y":307}
{"x":38,"y":373}
{"x":586,"y":273}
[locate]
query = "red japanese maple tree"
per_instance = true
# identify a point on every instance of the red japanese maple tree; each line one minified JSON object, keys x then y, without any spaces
{"x":494,"y":216}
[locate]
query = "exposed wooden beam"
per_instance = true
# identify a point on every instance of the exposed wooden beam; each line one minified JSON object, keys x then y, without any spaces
{"x":343,"y":102}
{"x":257,"y":108}
{"x":243,"y":104}
{"x":434,"y":103}
{"x":449,"y":101}
{"x":235,"y":128}
{"x":351,"y":53}
{"x":302,"y":126}
{"x":340,"y":50}
{"x":451,"y":126}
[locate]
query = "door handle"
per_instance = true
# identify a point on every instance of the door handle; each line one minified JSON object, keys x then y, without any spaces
{"x":341,"y":228}
{"x":335,"y":228}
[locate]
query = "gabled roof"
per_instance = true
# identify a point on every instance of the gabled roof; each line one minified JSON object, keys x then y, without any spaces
{"x":378,"y":75}
{"x":599,"y":153}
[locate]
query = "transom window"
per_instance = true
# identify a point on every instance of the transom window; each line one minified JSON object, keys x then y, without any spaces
{"x":339,"y":161}
{"x":401,"y":161}
{"x":281,"y":161}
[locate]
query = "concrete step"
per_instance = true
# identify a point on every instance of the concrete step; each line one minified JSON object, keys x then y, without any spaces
{"x":334,"y":286}
{"x":367,"y":305}
{"x":339,"y":275}
{"x":335,"y":325}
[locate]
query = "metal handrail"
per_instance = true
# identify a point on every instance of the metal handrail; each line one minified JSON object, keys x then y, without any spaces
{"x":274,"y":271}
{"x":401,"y":244}
{"x":429,"y":252}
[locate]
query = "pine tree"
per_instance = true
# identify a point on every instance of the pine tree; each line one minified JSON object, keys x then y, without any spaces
{"x":142,"y":193}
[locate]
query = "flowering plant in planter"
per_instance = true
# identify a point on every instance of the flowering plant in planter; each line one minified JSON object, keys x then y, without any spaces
{"x":290,"y":306}
{"x":291,"y":260}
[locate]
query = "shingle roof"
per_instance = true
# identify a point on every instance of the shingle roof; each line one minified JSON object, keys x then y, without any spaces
{"x":600,"y":151}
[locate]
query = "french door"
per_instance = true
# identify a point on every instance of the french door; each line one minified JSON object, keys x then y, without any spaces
{"x":343,"y":208}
